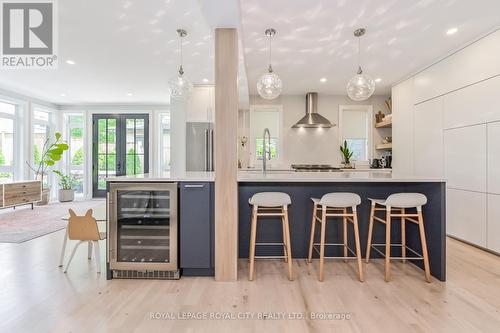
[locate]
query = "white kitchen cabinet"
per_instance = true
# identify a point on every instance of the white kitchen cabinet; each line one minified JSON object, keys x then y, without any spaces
{"x":466,"y":216}
{"x":493,"y":239}
{"x":428,"y":138}
{"x":402,"y":128}
{"x":476,"y":104}
{"x":494,"y":158}
{"x":477,"y":62}
{"x":200,"y":106}
{"x":465,"y":158}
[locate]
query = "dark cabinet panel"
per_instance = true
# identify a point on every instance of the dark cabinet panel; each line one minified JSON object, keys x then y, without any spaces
{"x":196,"y":227}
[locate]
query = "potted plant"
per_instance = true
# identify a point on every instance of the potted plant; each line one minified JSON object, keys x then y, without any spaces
{"x":347,"y":154}
{"x":66,"y":184}
{"x":52,"y":152}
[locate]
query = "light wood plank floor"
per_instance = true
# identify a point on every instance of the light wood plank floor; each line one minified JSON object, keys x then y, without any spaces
{"x":37,"y":297}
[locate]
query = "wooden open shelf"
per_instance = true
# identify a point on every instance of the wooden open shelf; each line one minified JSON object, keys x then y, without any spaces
{"x":384,"y":123}
{"x":384,"y":146}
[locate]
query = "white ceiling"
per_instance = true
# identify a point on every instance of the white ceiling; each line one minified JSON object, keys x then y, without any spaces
{"x":120,"y":48}
{"x":125,"y":51}
{"x":314,"y":38}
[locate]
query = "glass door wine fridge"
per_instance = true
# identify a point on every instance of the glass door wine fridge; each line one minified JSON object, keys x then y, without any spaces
{"x":142,"y":228}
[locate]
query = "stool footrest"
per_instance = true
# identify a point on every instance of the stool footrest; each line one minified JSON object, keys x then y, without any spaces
{"x":270,"y":257}
{"x":270,"y":244}
{"x":418,"y":255}
{"x":315,"y":247}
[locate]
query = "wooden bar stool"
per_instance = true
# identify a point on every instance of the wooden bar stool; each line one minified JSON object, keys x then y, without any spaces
{"x":336,"y":205}
{"x":395,"y":206}
{"x":270,"y":204}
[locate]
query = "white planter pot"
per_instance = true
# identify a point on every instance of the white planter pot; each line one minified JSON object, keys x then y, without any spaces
{"x":66,"y":195}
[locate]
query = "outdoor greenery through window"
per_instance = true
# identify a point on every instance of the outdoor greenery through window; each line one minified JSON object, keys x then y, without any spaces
{"x":75,"y":125}
{"x":106,"y":165}
{"x":41,"y":132}
{"x":259,"y":148}
{"x":7,"y":118}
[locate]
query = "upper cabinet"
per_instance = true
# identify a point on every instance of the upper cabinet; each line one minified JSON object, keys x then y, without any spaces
{"x":428,"y":145}
{"x":402,"y":127}
{"x":201,"y":105}
{"x":472,"y":105}
{"x":465,"y":158}
{"x":472,"y":64}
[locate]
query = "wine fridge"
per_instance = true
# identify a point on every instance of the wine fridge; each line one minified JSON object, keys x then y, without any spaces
{"x":142,"y":229}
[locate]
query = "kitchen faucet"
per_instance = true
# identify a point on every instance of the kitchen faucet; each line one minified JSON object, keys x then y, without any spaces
{"x":266,"y":153}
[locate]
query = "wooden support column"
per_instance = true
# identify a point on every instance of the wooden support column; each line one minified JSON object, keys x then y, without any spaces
{"x":226,"y":154}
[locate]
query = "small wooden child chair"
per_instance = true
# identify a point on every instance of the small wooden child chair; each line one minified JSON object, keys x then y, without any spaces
{"x":85,"y":230}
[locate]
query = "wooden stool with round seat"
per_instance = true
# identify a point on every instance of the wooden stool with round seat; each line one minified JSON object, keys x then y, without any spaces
{"x":336,"y":205}
{"x":270,"y":204}
{"x":396,"y":205}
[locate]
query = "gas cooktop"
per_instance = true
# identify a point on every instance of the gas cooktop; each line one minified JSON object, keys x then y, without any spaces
{"x":314,"y":168}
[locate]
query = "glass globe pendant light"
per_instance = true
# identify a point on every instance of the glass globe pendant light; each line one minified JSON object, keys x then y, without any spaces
{"x":179,"y":86}
{"x":269,"y":85}
{"x":361,"y":86}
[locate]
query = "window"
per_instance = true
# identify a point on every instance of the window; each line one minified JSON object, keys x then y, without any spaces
{"x":7,"y":138}
{"x":262,"y":117}
{"x":75,"y":160}
{"x":41,"y":133}
{"x":356,"y":128}
{"x":165,"y":141}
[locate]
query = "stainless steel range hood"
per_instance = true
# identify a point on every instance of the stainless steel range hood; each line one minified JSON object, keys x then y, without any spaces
{"x":312,"y":119}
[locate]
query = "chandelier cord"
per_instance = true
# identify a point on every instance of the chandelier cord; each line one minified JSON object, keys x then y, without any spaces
{"x":270,"y":53}
{"x":181,"y":70}
{"x":359,"y":55}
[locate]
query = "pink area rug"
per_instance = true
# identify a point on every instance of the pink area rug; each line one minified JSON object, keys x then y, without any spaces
{"x":23,"y":224}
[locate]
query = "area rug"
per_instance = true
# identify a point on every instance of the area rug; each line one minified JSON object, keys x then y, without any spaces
{"x":23,"y":224}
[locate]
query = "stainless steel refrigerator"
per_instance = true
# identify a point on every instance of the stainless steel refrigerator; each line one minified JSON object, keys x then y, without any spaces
{"x":199,"y":146}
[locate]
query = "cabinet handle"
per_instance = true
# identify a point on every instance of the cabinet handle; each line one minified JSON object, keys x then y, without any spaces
{"x":194,"y":186}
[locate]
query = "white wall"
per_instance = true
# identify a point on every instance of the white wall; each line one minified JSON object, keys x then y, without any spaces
{"x":313,"y":145}
{"x":453,"y":107}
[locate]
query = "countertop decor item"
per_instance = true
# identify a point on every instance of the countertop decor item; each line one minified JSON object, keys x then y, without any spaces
{"x":347,"y":154}
{"x":66,"y":184}
{"x":179,"y":86}
{"x":379,"y":117}
{"x":269,"y":84}
{"x":361,"y":86}
{"x":388,"y":103}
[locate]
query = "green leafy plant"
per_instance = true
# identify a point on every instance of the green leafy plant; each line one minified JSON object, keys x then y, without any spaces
{"x":346,"y":153}
{"x":52,"y":152}
{"x":66,"y":182}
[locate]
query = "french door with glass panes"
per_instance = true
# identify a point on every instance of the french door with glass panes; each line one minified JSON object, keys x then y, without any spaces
{"x":120,"y":147}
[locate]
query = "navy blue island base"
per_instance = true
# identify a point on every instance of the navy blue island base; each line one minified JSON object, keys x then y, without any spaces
{"x":300,"y":213}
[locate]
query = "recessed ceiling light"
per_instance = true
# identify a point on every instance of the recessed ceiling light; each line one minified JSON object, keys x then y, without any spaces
{"x":205,"y":80}
{"x":323,"y":79}
{"x":62,"y":95}
{"x":378,"y":79}
{"x":129,"y":94}
{"x":451,"y":31}
{"x":70,"y":62}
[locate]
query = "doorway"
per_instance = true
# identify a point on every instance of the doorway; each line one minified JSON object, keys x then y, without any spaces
{"x":120,"y":146}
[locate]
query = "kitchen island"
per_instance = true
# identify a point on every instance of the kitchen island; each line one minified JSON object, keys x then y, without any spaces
{"x":195,"y":205}
{"x":302,"y":186}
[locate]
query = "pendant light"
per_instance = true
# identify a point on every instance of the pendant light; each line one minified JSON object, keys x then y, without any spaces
{"x":361,"y":86}
{"x":269,"y":85}
{"x":179,"y":86}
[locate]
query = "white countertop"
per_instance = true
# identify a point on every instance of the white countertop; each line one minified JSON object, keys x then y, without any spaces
{"x":343,"y":176}
{"x":281,"y":176}
{"x":188,"y":176}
